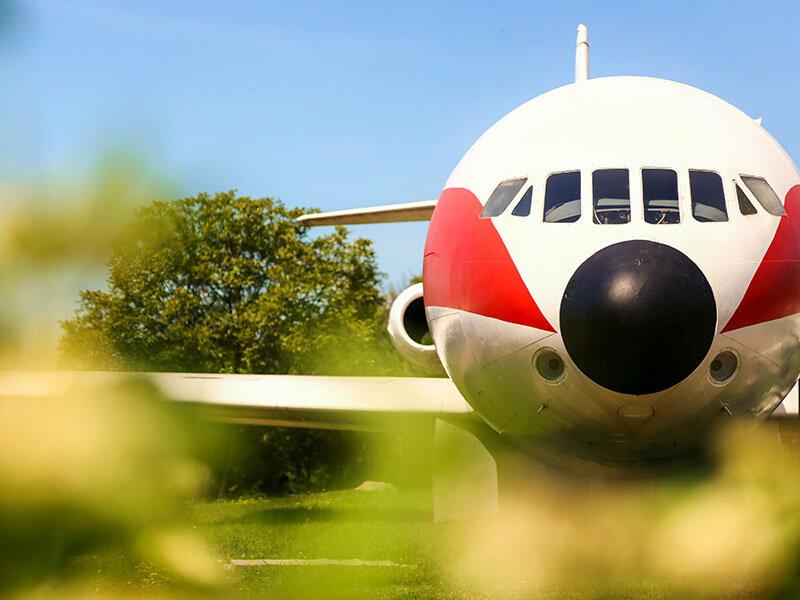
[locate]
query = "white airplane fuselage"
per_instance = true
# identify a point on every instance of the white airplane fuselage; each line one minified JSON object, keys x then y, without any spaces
{"x":606,"y":273}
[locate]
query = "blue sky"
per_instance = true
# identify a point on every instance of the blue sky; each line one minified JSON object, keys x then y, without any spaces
{"x":337,"y":105}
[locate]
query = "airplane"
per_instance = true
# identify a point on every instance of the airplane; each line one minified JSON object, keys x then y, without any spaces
{"x":611,"y":270}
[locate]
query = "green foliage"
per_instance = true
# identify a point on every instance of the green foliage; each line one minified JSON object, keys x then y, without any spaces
{"x":286,"y":460}
{"x":230,"y":284}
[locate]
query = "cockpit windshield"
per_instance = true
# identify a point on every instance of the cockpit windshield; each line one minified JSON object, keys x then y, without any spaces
{"x":745,"y":206}
{"x":660,"y":196}
{"x":611,"y":196}
{"x":765,"y":195}
{"x":562,"y":198}
{"x":502,"y":196}
{"x":708,"y":197}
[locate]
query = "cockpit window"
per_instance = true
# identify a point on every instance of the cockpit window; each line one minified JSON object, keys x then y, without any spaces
{"x":502,"y":196}
{"x":523,"y":207}
{"x":562,"y":198}
{"x":611,"y":192}
{"x":765,"y":195}
{"x":745,"y":206}
{"x":708,"y":197}
{"x":660,"y":194}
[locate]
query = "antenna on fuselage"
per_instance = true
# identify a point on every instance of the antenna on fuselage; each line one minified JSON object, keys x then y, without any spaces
{"x":582,"y":54}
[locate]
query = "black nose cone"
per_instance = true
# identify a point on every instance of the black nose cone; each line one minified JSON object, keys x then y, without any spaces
{"x":638,"y":317}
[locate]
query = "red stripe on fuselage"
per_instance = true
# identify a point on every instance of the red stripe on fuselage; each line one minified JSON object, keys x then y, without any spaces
{"x":468,"y":267}
{"x":774,"y":291}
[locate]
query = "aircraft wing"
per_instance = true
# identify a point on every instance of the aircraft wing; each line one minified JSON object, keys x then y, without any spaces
{"x":388,"y":213}
{"x":360,"y":403}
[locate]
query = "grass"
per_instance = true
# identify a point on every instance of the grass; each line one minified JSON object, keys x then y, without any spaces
{"x":383,"y":525}
{"x":732,"y":533}
{"x":379,"y":525}
{"x":335,"y":525}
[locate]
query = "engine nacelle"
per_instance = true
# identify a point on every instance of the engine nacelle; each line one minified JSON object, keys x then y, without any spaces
{"x":408,"y":328}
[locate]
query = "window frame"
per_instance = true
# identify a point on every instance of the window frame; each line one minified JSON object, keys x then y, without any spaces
{"x":747,"y":190}
{"x":724,"y":196}
{"x":524,"y":179}
{"x":679,"y":188}
{"x":737,"y":186}
{"x":630,"y":194}
{"x":528,"y":187}
{"x":581,"y":199}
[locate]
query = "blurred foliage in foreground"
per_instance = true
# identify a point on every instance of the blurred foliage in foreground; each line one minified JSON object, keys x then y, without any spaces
{"x":99,"y":509}
{"x":231,"y":284}
{"x":87,"y":467}
{"x":55,"y":236}
{"x":730,"y":532}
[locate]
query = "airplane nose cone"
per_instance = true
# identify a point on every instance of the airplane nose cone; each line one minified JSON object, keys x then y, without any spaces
{"x":638,"y":317}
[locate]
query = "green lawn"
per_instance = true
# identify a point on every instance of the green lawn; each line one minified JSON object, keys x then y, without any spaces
{"x":383,"y":525}
{"x":335,"y":525}
{"x":394,"y":526}
{"x":397,"y":526}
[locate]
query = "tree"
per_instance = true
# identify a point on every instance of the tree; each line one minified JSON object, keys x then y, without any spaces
{"x":231,"y":284}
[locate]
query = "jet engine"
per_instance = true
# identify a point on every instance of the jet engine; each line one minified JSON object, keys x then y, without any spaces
{"x":408,"y":328}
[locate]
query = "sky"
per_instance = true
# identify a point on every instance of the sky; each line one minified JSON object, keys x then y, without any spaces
{"x":340,"y":105}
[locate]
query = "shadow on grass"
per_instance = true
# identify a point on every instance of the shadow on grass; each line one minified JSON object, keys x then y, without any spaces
{"x":299,"y":514}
